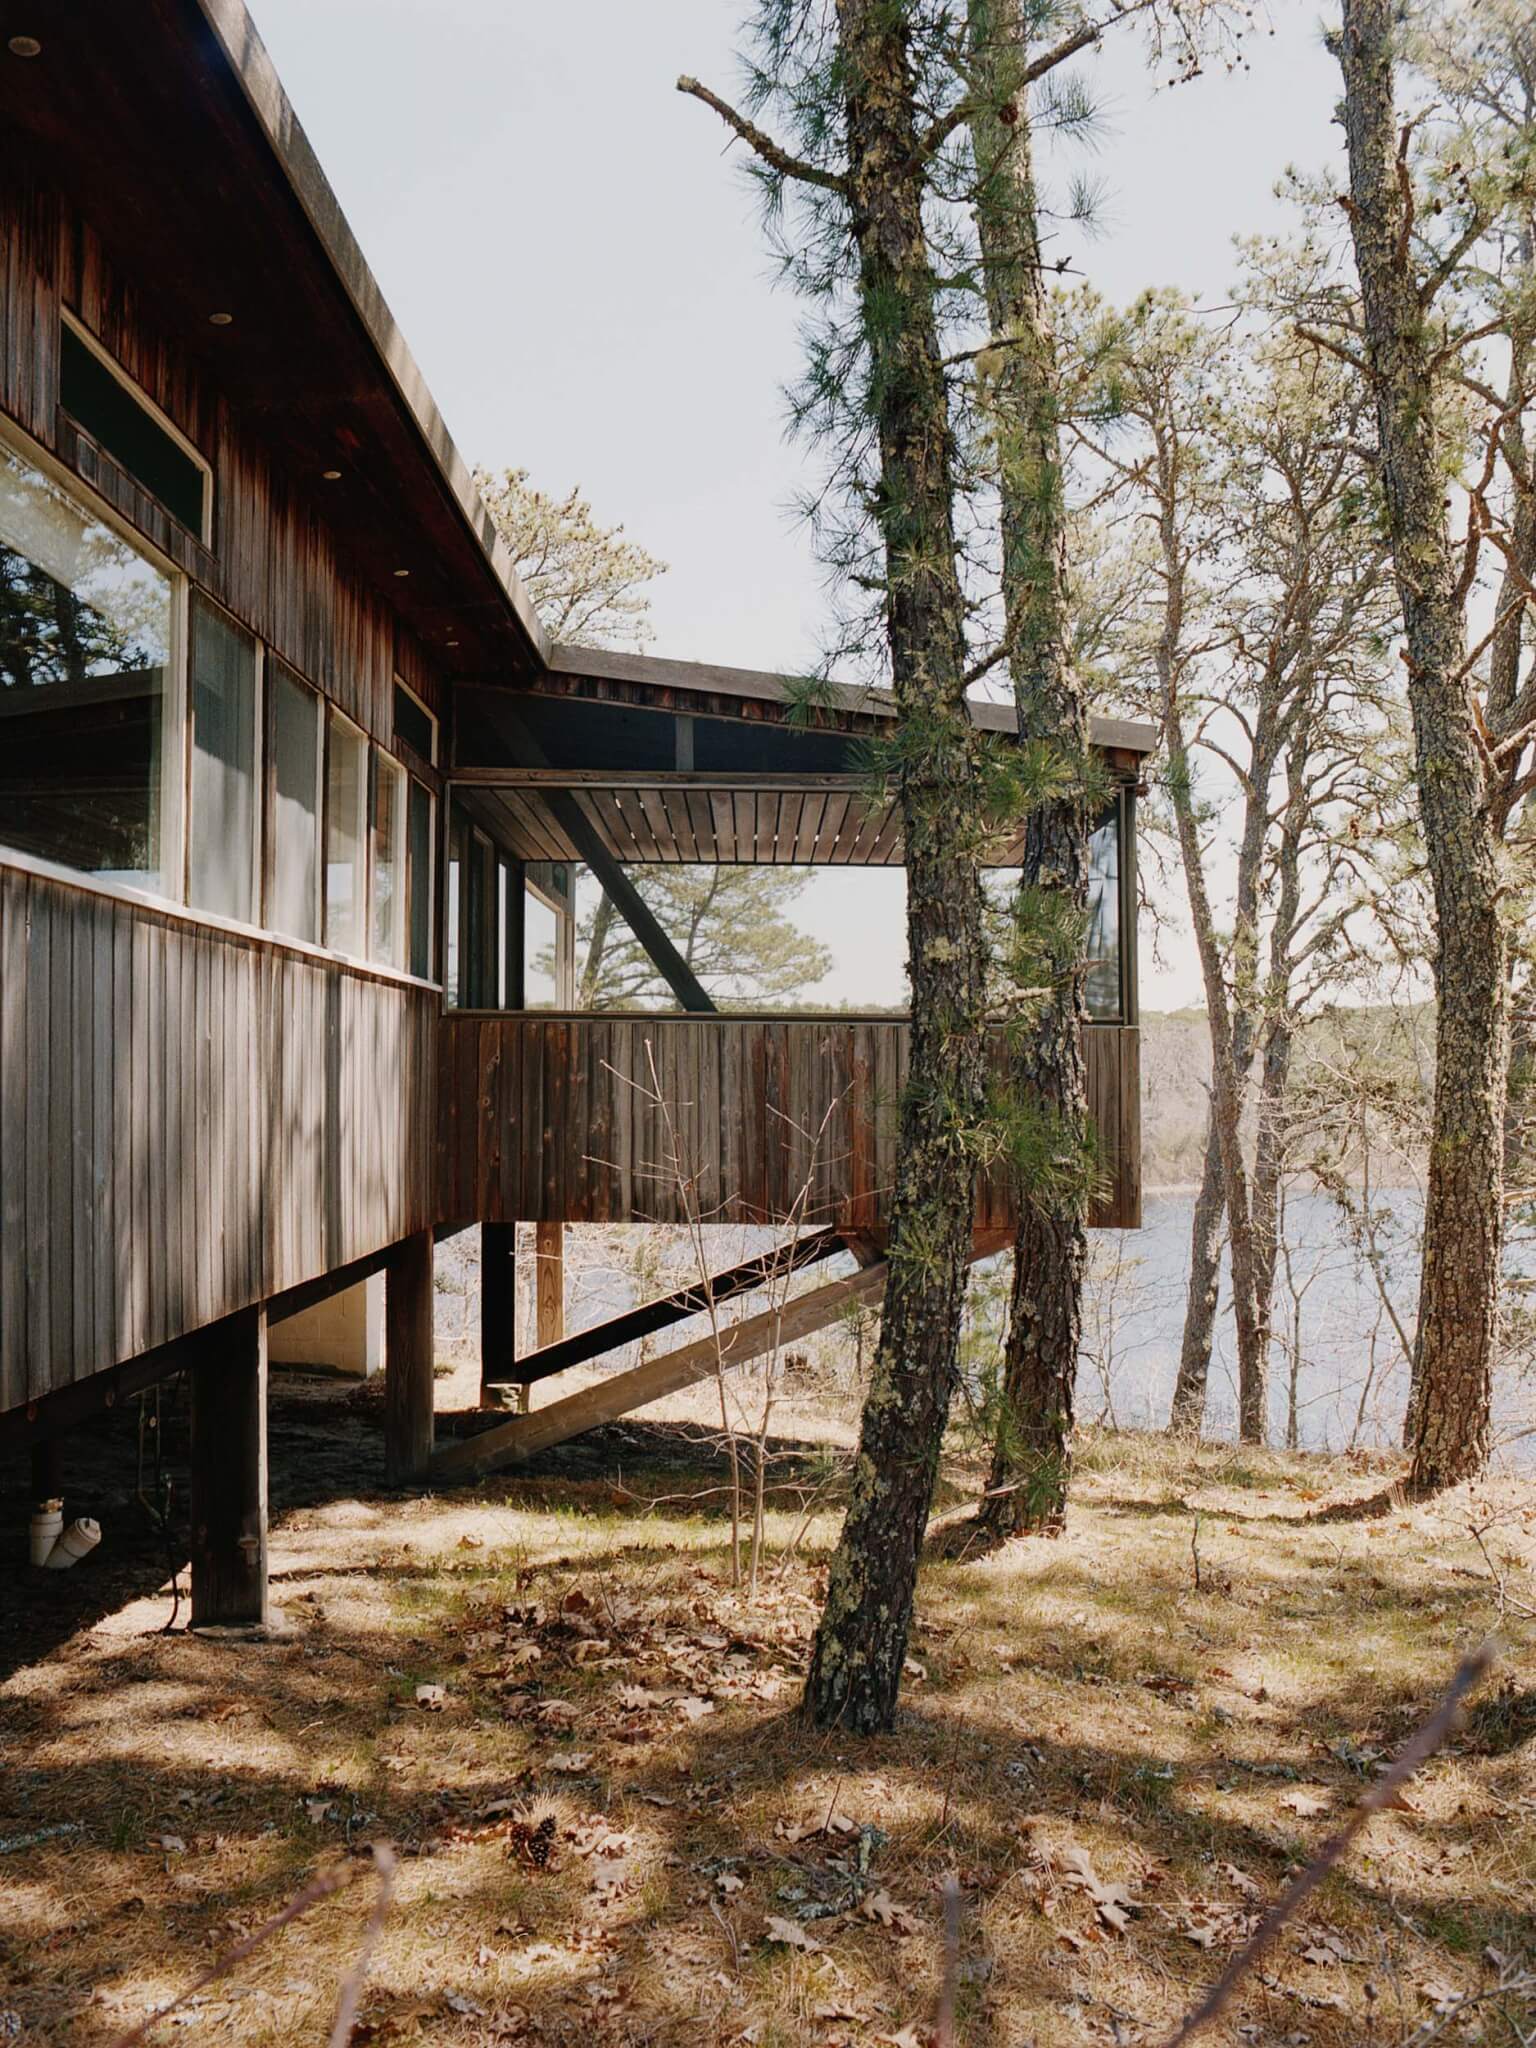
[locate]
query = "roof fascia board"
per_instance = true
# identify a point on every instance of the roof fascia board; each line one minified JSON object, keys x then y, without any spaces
{"x":255,"y":73}
{"x":614,"y":665}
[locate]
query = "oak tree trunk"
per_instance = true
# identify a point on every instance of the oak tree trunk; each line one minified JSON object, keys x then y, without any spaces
{"x":860,"y":1646}
{"x":1186,"y":1417}
{"x":1463,"y":1210}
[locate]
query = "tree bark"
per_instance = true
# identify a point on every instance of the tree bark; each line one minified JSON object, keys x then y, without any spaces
{"x":1463,"y":1213}
{"x":1187,"y":1414}
{"x":1031,"y":1463}
{"x":860,"y":1646}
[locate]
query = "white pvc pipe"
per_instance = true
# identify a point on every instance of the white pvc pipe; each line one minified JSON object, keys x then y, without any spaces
{"x":45,"y":1529}
{"x":77,"y":1541}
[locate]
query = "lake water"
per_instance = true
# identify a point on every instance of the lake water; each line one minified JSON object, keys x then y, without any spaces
{"x":1351,"y":1379}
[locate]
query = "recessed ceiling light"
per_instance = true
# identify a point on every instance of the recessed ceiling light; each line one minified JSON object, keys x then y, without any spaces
{"x":221,"y":319}
{"x":402,"y":572}
{"x":330,"y":475}
{"x":24,"y":46}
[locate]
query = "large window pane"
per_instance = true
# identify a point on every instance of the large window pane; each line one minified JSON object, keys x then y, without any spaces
{"x":388,"y":861}
{"x":1102,"y":981}
{"x":293,"y":906}
{"x":541,"y":954}
{"x":85,"y":665}
{"x":222,"y":688}
{"x":419,"y":864}
{"x":346,"y":810}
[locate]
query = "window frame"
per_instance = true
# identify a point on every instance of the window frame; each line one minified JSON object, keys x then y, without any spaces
{"x":384,"y":765}
{"x":176,"y":718}
{"x":260,"y":758}
{"x":414,"y":881}
{"x":334,"y":717}
{"x":318,"y":706}
{"x":427,"y":713}
{"x":77,"y":327}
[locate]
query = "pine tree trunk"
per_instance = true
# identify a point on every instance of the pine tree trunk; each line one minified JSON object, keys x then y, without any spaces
{"x":860,"y":1646}
{"x":1463,"y":1210}
{"x":1031,"y":1464}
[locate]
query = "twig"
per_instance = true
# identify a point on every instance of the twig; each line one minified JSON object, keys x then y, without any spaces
{"x":944,"y":2031}
{"x":323,"y":1887}
{"x":1194,"y":1548}
{"x":352,"y":1983}
{"x":1418,"y":1748}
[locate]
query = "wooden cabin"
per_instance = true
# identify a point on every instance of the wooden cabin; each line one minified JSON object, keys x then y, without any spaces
{"x":294,"y":790}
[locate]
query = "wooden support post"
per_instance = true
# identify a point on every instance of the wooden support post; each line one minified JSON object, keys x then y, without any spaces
{"x":498,"y":1310}
{"x":549,"y":1266}
{"x":47,"y":1469}
{"x":229,"y":1475}
{"x":408,"y":1360}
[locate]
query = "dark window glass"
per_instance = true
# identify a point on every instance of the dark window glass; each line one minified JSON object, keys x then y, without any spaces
{"x":223,"y":693}
{"x":129,"y":432}
{"x":412,"y":724}
{"x":419,"y":858}
{"x":1102,"y":982}
{"x":85,"y":649}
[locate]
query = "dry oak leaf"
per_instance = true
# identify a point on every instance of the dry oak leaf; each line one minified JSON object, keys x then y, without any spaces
{"x":1307,"y":1804}
{"x":1112,"y":1902}
{"x":691,"y":1708}
{"x":431,"y":1697}
{"x":882,"y":1907}
{"x":790,"y":1934}
{"x":569,"y":1760}
{"x":727,"y":1881}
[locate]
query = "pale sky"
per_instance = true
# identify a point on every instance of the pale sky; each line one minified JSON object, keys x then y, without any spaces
{"x":578,"y":267}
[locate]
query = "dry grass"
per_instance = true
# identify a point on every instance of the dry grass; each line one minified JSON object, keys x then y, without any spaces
{"x":1079,"y":1695}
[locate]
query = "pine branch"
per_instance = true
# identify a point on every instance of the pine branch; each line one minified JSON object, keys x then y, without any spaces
{"x":764,"y":146}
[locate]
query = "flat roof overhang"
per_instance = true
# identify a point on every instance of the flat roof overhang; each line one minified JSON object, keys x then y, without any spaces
{"x":689,"y":762}
{"x":164,"y":125}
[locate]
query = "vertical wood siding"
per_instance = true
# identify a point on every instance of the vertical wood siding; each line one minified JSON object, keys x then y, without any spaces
{"x":549,"y":1119}
{"x":190,"y":1122}
{"x":272,"y":561}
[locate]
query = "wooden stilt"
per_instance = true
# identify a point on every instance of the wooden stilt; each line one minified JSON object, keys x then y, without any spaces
{"x":47,"y":1469}
{"x":498,"y":1309}
{"x":408,"y":1359}
{"x":229,"y":1475}
{"x":549,"y":1266}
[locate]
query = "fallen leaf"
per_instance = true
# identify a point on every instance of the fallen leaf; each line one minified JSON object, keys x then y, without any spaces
{"x":790,"y":1934}
{"x":729,"y":1882}
{"x":569,"y":1760}
{"x":169,"y":1845}
{"x":431,"y":1697}
{"x":882,"y":1907}
{"x":1307,"y":1804}
{"x":691,"y":1708}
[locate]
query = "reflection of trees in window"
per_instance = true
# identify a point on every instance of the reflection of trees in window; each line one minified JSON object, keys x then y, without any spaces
{"x":1102,"y":951}
{"x":84,"y":642}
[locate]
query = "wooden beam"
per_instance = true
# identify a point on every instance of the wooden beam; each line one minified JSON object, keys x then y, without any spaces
{"x":777,"y":781}
{"x":630,"y":904}
{"x":408,"y":1360}
{"x":472,"y":1457}
{"x":229,"y":1475}
{"x":647,"y":1317}
{"x":549,"y":1282}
